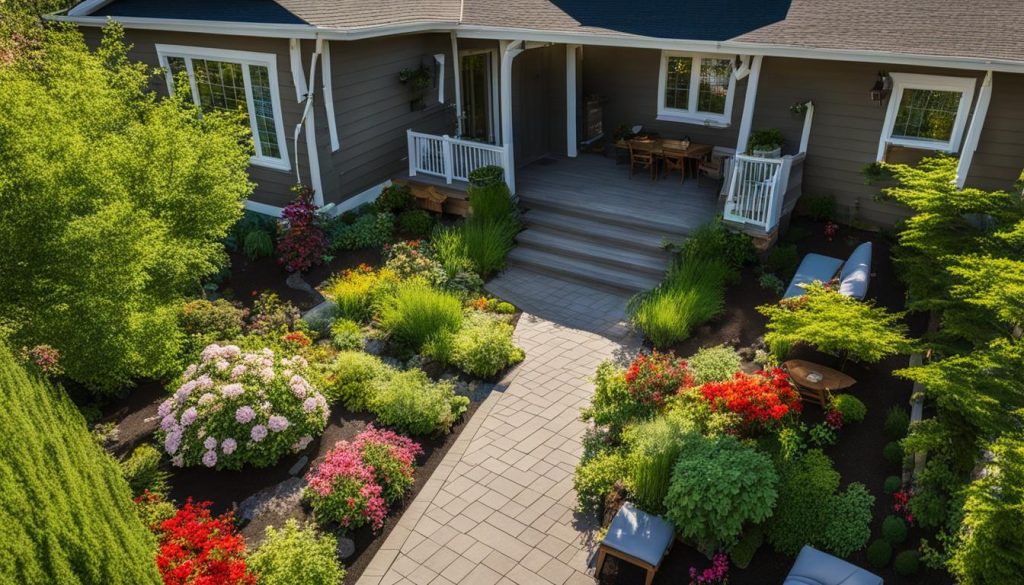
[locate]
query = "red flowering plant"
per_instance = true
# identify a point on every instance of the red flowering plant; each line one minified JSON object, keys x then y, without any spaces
{"x":303,"y":242}
{"x":654,"y":377}
{"x":830,"y":230}
{"x":901,"y":505}
{"x":196,"y":548}
{"x":296,"y":339}
{"x":716,"y":574}
{"x":44,"y":359}
{"x":763,"y":400}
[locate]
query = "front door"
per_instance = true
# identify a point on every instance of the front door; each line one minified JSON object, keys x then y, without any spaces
{"x":478,"y":107}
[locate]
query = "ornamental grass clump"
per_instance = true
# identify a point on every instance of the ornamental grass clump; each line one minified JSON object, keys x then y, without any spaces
{"x":764,"y":400}
{"x":237,"y":408}
{"x":416,"y":312}
{"x":353,"y":291}
{"x":653,"y":449}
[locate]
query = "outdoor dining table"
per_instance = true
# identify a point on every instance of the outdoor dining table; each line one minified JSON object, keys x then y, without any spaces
{"x":693,"y":151}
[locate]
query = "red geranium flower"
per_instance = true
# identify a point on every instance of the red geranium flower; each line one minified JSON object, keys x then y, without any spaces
{"x":761,"y":399}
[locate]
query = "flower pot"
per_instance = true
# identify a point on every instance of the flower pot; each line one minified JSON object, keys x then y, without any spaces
{"x":774,"y":153}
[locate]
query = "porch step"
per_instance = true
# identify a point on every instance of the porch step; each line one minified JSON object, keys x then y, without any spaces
{"x":636,"y":218}
{"x":593,"y":250}
{"x":598,"y":231}
{"x":555,"y":264}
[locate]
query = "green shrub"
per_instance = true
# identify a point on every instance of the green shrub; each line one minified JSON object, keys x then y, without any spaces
{"x":894,"y":529}
{"x":715,"y":240}
{"x":879,"y":553}
{"x":807,"y":486}
{"x":613,"y":406}
{"x":395,"y":199}
{"x":819,"y":207}
{"x":449,"y":244}
{"x":409,"y":402}
{"x":653,"y":449}
{"x":782,"y":261}
{"x":353,"y":377}
{"x":897,"y":422}
{"x":414,"y":259}
{"x":743,"y":551}
{"x":491,"y":203}
{"x":142,"y":471}
{"x":486,"y":175}
{"x":836,"y":324}
{"x":346,"y":334}
{"x":66,"y":511}
{"x":595,"y":478}
{"x":488,"y":241}
{"x":893,"y":484}
{"x":714,"y":364}
{"x":258,"y":244}
{"x":501,"y":307}
{"x":851,"y":407}
{"x":483,"y":346}
{"x":771,"y":282}
{"x":692,"y":293}
{"x":370,"y":230}
{"x":893,"y":453}
{"x":205,"y":322}
{"x":296,"y":554}
{"x":353,"y":291}
{"x":416,"y":312}
{"x":416,"y":223}
{"x":718,"y":485}
{"x":908,"y":562}
{"x":849,"y":528}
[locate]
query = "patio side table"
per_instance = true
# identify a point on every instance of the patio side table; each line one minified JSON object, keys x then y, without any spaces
{"x":806,"y":374}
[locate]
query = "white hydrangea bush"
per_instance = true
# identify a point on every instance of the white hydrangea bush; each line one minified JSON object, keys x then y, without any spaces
{"x":237,"y":408}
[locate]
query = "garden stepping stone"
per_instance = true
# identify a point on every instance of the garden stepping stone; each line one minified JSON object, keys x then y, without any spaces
{"x":299,"y":466}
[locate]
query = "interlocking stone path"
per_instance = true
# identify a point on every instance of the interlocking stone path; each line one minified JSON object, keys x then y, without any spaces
{"x":500,"y":507}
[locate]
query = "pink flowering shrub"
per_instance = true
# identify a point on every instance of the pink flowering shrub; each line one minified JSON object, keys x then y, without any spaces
{"x":237,"y":408}
{"x":356,"y":481}
{"x":716,"y":574}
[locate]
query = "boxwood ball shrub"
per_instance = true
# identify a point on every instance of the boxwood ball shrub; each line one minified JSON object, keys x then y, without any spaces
{"x":897,"y":421}
{"x":352,"y":377}
{"x":714,"y":364}
{"x":719,"y":485}
{"x":894,"y":529}
{"x":395,"y":199}
{"x":416,"y":223}
{"x":346,"y":334}
{"x":409,"y":402}
{"x":892,"y":484}
{"x":369,"y":230}
{"x":893,"y":453}
{"x":849,"y":527}
{"x":483,"y":346}
{"x":296,"y":554}
{"x":237,"y":408}
{"x":416,"y":312}
{"x":595,"y":477}
{"x":851,"y":407}
{"x":879,"y":553}
{"x":907,"y":563}
{"x":807,"y":486}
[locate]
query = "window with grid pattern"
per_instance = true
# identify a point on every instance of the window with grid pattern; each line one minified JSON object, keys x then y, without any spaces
{"x":928,"y":114}
{"x":695,"y":88}
{"x":714,"y":85}
{"x":677,"y":82}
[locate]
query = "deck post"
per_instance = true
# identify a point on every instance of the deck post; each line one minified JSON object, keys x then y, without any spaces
{"x":411,"y":140}
{"x":509,"y":51}
{"x":749,"y":102}
{"x":974,"y":132}
{"x":457,"y":80}
{"x":446,"y":158}
{"x":571,"y":138}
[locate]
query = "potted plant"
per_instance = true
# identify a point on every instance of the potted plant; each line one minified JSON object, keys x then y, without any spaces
{"x":418,"y":81}
{"x":766,"y":143}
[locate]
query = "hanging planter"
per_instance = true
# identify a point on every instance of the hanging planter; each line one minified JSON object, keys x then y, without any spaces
{"x":418,"y":81}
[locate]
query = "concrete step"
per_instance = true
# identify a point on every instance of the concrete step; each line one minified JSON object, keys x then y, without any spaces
{"x":579,"y":270}
{"x":596,"y":251}
{"x":630,"y":237}
{"x":647,"y":220}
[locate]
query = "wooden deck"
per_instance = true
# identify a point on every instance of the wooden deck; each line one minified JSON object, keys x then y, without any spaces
{"x":600,"y":185}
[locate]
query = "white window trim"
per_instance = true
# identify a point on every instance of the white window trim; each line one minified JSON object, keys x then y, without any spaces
{"x":904,"y":81}
{"x":691,"y":115}
{"x":244,"y":58}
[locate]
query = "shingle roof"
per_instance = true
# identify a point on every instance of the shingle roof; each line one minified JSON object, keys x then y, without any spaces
{"x":986,"y":29}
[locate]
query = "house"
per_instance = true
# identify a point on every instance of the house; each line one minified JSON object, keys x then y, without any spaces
{"x":529,"y":84}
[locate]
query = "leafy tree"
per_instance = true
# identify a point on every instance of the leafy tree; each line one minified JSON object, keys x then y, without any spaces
{"x":113,"y":205}
{"x":836,"y":324}
{"x":65,"y":511}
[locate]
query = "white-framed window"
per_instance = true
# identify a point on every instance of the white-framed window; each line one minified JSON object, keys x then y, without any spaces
{"x":927,"y":111}
{"x":696,"y":88}
{"x":222,"y":79}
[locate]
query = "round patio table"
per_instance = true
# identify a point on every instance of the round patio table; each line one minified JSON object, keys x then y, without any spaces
{"x":815,"y":380}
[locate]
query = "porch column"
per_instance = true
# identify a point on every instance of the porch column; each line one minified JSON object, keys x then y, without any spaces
{"x":571,"y":137}
{"x":509,"y":51}
{"x":457,"y":79}
{"x":749,"y":102}
{"x":974,"y":132}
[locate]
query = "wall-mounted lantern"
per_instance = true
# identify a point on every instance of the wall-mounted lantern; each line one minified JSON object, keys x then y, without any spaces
{"x":882,"y":88}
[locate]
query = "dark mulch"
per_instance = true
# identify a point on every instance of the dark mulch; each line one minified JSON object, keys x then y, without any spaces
{"x":858,"y":452}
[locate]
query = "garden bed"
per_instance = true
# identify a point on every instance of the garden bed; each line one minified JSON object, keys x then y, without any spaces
{"x":857,"y":454}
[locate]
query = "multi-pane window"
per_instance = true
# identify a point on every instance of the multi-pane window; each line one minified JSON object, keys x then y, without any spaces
{"x":232,"y":80}
{"x":696,"y":88}
{"x":927,"y":112}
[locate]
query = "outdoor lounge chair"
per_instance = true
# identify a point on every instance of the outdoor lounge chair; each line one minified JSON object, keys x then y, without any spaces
{"x":854,"y":274}
{"x":638,"y":538}
{"x":813,"y":567}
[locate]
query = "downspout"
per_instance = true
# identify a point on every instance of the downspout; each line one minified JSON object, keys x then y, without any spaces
{"x":312,"y":152}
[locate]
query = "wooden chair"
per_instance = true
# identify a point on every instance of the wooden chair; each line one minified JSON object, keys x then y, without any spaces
{"x":641,"y":152}
{"x":636,"y":537}
{"x":713,"y":165}
{"x":675,"y":160}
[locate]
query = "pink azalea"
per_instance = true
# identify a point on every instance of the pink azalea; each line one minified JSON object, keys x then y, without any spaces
{"x":238,"y":371}
{"x":204,"y":382}
{"x":258,"y":433}
{"x":207,"y":398}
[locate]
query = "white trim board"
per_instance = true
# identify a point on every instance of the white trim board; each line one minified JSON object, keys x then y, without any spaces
{"x":691,"y":115}
{"x":904,"y":81}
{"x":361,"y":198}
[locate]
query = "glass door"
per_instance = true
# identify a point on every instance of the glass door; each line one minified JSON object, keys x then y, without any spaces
{"x":477,"y":78}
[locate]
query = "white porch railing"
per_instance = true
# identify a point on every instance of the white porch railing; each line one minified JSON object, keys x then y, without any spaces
{"x":757,"y":187}
{"x":452,"y":159}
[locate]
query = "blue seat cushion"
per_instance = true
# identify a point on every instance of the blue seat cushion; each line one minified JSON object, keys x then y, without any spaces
{"x":813,"y":567}
{"x":813,"y":267}
{"x":856,"y":273}
{"x":639,"y":534}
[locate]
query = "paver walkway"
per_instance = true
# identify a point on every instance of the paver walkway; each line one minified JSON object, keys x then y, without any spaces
{"x":500,"y":507}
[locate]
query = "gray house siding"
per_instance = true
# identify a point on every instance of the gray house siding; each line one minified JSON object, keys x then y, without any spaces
{"x":998,"y":162}
{"x":627,"y":80}
{"x":538,"y":104}
{"x":272,"y":186}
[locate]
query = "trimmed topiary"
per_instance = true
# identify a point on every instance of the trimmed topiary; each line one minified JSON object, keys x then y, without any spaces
{"x":907,"y":563}
{"x":714,"y":364}
{"x":879,"y":553}
{"x":897,"y":422}
{"x":892,"y":484}
{"x":893,"y":453}
{"x":850,"y":406}
{"x":894,"y":529}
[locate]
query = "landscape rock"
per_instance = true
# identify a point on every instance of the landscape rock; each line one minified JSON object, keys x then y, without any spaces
{"x":346,"y":547}
{"x":299,"y":466}
{"x":271,"y":507}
